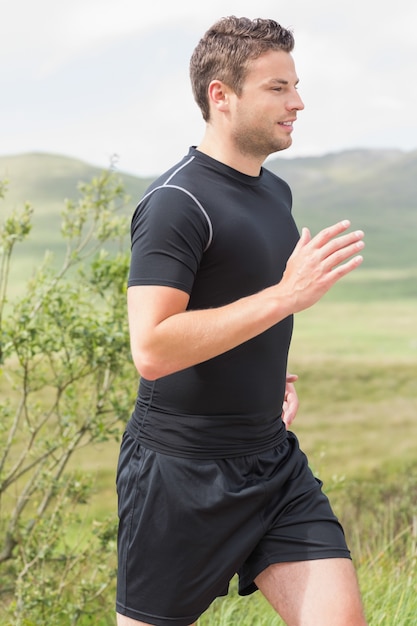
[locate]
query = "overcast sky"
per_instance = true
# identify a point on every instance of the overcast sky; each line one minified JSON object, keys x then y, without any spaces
{"x":94,"y":78}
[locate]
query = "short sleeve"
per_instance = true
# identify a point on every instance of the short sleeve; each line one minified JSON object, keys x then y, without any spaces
{"x":169,"y":233}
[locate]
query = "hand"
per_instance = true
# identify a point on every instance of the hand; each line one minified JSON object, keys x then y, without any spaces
{"x":290,"y":405}
{"x":317,"y":263}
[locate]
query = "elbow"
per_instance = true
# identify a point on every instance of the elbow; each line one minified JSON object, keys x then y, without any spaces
{"x":148,"y":367}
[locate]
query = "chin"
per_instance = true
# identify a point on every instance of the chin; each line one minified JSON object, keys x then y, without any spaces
{"x":282,"y":145}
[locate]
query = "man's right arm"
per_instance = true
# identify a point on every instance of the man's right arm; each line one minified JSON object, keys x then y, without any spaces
{"x":166,"y":337}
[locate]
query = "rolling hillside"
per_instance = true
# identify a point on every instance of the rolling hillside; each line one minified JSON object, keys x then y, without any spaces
{"x":376,"y":190}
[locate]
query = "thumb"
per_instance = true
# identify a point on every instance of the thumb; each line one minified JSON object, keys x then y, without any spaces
{"x":305,"y":237}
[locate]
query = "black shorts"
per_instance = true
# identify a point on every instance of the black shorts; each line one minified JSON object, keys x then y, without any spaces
{"x":188,"y":525}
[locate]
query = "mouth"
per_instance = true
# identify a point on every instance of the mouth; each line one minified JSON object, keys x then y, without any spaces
{"x":288,"y":124}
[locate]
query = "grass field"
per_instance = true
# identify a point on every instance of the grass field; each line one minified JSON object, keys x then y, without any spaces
{"x":355,"y":353}
{"x":356,"y":362}
{"x":357,"y":422}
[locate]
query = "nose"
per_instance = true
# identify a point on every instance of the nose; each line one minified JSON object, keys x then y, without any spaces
{"x":295,"y":103}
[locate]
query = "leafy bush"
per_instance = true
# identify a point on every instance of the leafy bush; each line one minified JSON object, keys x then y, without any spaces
{"x":66,"y":383}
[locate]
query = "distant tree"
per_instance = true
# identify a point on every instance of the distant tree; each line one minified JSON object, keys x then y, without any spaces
{"x":65,"y":384}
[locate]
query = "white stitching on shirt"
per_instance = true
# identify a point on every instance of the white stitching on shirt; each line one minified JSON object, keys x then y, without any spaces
{"x":178,"y":169}
{"x":200,"y":206}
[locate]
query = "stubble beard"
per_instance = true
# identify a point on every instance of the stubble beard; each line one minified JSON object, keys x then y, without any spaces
{"x":259,"y":145}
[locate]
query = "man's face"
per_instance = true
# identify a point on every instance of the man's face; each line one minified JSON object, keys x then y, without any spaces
{"x":262,"y":116}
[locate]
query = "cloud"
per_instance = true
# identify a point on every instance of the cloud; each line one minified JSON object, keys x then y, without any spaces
{"x":91,"y":78}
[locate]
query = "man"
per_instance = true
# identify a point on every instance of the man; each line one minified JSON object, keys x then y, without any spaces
{"x":210,"y":481}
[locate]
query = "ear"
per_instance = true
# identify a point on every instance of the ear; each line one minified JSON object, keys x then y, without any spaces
{"x":218,"y":93}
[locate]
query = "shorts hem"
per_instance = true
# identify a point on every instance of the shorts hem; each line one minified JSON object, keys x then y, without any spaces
{"x":155,"y":620}
{"x":247,"y":584}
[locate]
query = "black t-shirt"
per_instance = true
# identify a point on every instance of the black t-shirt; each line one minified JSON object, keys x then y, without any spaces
{"x":218,"y":235}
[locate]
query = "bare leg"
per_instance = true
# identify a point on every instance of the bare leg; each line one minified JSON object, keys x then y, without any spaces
{"x":122,"y":620}
{"x":314,"y":593}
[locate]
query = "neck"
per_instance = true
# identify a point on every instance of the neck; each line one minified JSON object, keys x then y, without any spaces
{"x":223,"y":151}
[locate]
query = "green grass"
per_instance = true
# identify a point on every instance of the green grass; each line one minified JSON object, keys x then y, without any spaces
{"x":360,"y":330}
{"x":355,"y":353}
{"x":376,"y":285}
{"x":357,"y":422}
{"x":357,"y":389}
{"x":381,"y":525}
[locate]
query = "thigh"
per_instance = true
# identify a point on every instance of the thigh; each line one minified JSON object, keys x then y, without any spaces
{"x":122,"y":620}
{"x":323,"y":592}
{"x":185,"y":525}
{"x":299,"y":522}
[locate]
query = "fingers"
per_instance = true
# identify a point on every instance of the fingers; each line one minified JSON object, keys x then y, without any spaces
{"x":345,"y":268}
{"x":334,"y":249}
{"x":345,"y":245}
{"x":290,"y":407}
{"x":330,"y":232}
{"x":317,"y":263}
{"x":305,"y":235}
{"x":342,"y":249}
{"x":305,"y":238}
{"x":328,"y":239}
{"x":291,"y":378}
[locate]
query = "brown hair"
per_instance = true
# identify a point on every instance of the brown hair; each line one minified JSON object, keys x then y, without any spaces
{"x":226,"y":49}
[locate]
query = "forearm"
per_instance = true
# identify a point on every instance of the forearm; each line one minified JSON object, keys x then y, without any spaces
{"x":194,"y":336}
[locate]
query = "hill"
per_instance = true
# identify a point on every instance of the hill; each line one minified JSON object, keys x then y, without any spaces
{"x":45,"y":181}
{"x":375,"y":189}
